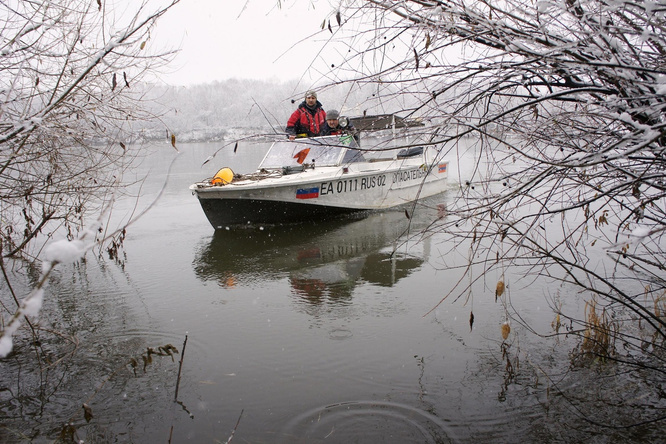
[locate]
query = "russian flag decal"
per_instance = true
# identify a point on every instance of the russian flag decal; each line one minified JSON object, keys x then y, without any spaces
{"x":442,"y":168}
{"x":307,"y":193}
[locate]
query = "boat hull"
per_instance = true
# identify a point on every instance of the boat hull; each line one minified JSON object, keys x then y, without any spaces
{"x":319,"y":194}
{"x":222,"y":213}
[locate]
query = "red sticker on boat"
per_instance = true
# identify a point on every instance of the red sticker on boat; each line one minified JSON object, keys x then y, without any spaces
{"x":442,"y":168}
{"x":307,"y":193}
{"x":301,"y":155}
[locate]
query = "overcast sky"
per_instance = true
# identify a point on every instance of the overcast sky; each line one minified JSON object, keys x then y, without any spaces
{"x":221,"y":40}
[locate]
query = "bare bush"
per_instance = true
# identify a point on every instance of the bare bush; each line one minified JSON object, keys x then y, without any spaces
{"x":68,"y":96}
{"x":563,"y":105}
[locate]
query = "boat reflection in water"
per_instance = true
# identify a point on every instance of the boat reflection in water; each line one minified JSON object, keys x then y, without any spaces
{"x":322,"y":261}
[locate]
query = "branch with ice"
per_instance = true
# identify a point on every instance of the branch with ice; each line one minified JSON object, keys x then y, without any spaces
{"x":62,"y":251}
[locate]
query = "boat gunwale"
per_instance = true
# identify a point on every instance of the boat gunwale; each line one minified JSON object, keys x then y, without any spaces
{"x":299,"y":179}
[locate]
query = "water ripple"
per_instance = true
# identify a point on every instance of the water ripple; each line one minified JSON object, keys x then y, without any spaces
{"x":366,"y":421}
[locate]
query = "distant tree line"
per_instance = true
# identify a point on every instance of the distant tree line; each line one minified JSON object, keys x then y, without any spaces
{"x":223,"y":109}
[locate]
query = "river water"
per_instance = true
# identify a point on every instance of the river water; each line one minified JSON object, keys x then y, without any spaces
{"x":313,"y":333}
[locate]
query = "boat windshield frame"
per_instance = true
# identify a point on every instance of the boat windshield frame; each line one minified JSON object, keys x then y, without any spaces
{"x":321,"y":151}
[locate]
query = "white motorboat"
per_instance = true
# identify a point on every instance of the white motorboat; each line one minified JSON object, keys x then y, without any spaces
{"x":318,"y":178}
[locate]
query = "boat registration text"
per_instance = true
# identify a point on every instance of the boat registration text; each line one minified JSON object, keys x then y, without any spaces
{"x":360,"y":184}
{"x":356,"y":184}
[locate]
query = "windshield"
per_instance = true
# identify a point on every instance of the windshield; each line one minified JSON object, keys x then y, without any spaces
{"x":322,"y":151}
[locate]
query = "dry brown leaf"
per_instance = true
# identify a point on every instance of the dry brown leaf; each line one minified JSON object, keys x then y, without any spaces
{"x":506,"y":329}
{"x":499,"y":290}
{"x":556,"y":324}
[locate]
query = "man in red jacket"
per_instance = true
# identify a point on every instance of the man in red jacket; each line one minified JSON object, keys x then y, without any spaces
{"x":308,"y":119}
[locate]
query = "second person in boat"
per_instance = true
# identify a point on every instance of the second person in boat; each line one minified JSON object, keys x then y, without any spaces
{"x":332,"y":125}
{"x":308,"y":119}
